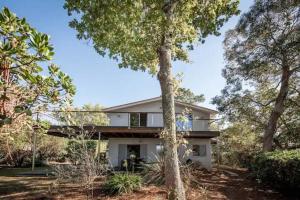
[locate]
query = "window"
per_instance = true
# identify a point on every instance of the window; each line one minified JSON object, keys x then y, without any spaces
{"x":143,"y":119}
{"x":184,"y":122}
{"x":199,"y":150}
{"x":134,"y":119}
{"x":138,"y":119}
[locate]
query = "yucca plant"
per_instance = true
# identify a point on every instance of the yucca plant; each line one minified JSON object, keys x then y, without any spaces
{"x":123,"y":183}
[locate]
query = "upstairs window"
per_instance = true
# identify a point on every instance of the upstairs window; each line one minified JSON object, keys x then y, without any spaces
{"x":138,"y":119}
{"x":143,"y":119}
{"x":184,"y":122}
{"x":199,"y":150}
{"x":134,"y":119}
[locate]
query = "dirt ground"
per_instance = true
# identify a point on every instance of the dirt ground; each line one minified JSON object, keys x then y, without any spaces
{"x":223,"y":183}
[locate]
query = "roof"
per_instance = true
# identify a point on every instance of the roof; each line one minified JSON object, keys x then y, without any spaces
{"x":132,"y":104}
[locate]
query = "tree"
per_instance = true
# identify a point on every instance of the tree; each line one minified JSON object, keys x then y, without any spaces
{"x":262,"y":55}
{"x":25,"y":86}
{"x":145,"y":35}
{"x":88,"y":114}
{"x":16,"y":143}
{"x":187,"y":96}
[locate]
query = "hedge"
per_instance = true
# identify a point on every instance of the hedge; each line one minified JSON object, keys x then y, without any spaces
{"x":279,"y":169}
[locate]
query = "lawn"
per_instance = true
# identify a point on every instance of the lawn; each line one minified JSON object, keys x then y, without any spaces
{"x":223,"y":183}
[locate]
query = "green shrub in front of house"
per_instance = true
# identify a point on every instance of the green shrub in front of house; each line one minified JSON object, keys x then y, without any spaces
{"x":279,"y":169}
{"x":123,"y":183}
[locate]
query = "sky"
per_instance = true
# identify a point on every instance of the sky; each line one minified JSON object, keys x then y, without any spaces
{"x":99,"y":80}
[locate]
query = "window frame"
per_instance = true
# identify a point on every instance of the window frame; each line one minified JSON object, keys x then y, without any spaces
{"x":138,"y":114}
{"x":199,"y":153}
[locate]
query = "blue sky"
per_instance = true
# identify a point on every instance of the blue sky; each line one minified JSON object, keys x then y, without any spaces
{"x":98,"y":79}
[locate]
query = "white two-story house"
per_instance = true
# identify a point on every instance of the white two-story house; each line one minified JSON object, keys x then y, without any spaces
{"x":135,"y":128}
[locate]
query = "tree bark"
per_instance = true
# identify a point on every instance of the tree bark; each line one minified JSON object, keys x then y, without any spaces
{"x":277,"y":110}
{"x":172,"y":173}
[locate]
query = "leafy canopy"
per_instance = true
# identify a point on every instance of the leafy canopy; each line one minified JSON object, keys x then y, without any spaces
{"x":131,"y":31}
{"x":265,"y":41}
{"x":187,"y":96}
{"x":24,"y":83}
{"x":88,"y":114}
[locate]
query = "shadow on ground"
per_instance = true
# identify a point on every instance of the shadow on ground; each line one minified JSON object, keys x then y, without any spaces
{"x":223,"y":183}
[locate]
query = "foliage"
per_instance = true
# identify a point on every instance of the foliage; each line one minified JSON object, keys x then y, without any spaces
{"x":187,"y":96}
{"x":75,"y":149}
{"x":16,"y":142}
{"x":237,"y":143}
{"x":131,"y":32}
{"x":123,"y":183}
{"x":25,"y":86}
{"x":262,"y":71}
{"x":82,"y":116}
{"x":279,"y":169}
{"x":154,"y":173}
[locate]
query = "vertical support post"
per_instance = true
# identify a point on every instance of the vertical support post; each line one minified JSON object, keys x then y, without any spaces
{"x":99,"y":147}
{"x":34,"y":148}
{"x":34,"y":144}
{"x":218,"y":153}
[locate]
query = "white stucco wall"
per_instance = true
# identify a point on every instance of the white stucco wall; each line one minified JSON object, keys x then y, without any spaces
{"x":113,"y":149}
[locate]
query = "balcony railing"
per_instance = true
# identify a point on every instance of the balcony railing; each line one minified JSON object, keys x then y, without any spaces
{"x":125,"y":119}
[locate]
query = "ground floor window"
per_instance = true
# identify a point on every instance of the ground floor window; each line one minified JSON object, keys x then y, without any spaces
{"x":133,"y":151}
{"x":199,"y":150}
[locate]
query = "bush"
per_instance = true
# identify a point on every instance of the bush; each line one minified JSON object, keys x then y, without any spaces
{"x":123,"y":183}
{"x":75,"y":149}
{"x":281,"y":169}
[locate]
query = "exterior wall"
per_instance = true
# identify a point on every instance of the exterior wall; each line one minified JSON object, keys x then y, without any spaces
{"x":154,"y":116}
{"x":185,"y":152}
{"x":113,"y":148}
{"x":118,"y":119}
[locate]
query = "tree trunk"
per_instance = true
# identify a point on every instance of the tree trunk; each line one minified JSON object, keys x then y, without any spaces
{"x":172,"y":173}
{"x":277,"y":110}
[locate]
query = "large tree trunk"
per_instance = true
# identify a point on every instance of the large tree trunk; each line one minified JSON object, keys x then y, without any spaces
{"x":172,"y":173}
{"x":277,"y":110}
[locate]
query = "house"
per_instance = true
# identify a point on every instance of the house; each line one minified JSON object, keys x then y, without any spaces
{"x":134,"y":129}
{"x":144,"y":120}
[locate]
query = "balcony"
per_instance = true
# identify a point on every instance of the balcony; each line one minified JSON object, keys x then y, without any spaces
{"x":124,"y":123}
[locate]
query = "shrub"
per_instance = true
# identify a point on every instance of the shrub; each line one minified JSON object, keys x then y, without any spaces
{"x":281,"y":169}
{"x":123,"y":183}
{"x":154,"y":173}
{"x":75,"y":149}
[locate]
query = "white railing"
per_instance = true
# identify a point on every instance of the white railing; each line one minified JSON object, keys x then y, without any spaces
{"x":119,"y":119}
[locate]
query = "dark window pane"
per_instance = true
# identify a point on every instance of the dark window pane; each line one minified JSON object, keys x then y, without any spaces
{"x":202,"y":150}
{"x":134,"y":119}
{"x":199,"y":150}
{"x":143,"y":119}
{"x":196,"y":150}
